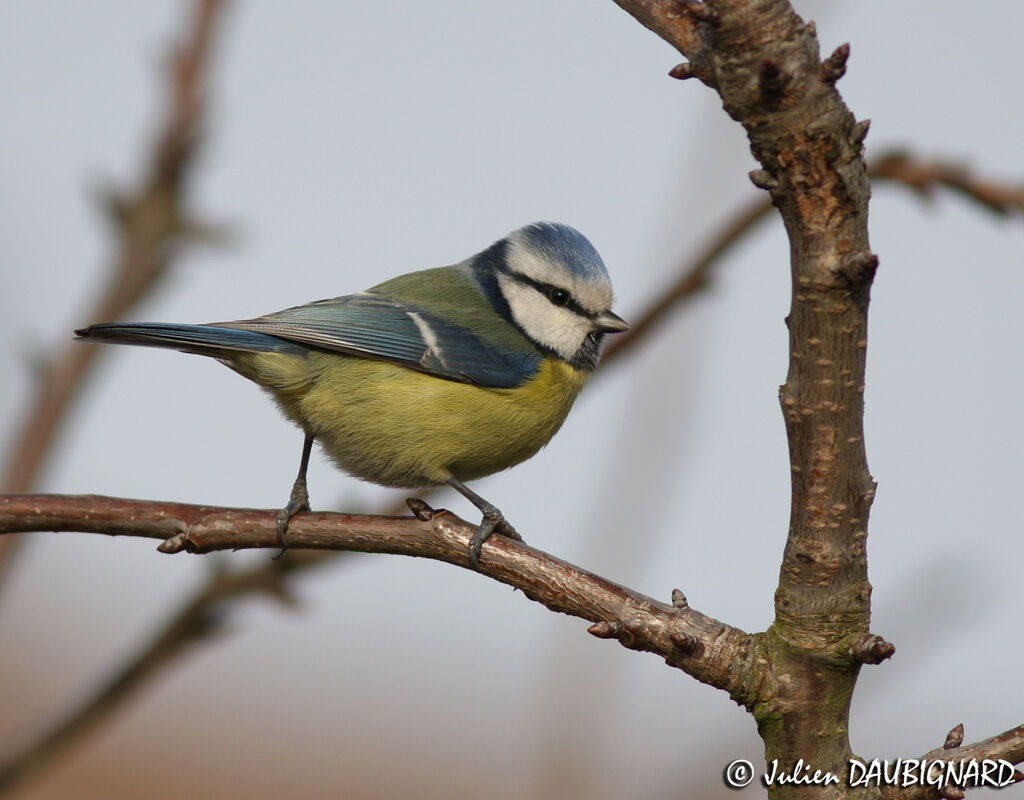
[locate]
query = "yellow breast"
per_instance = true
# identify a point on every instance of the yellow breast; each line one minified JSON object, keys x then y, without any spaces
{"x":397,"y":427}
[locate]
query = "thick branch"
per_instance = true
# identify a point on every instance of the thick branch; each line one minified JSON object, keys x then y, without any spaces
{"x":764,"y":62}
{"x":147,"y":225}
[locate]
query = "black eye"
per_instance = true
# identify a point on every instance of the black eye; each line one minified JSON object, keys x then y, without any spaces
{"x":558,"y":297}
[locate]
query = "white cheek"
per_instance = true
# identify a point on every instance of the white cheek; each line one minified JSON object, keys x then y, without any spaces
{"x":556,"y":328}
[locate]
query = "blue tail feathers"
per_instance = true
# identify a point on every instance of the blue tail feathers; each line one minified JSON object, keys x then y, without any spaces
{"x":207,"y":340}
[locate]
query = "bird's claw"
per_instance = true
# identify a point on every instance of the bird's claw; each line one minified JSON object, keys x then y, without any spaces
{"x":297,"y":503}
{"x":492,"y":522}
{"x":504,"y":527}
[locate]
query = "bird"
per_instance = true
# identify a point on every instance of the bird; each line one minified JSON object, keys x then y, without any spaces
{"x":438,"y":376}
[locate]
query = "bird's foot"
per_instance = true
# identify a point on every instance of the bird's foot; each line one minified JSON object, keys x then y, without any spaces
{"x":297,"y":503}
{"x":493,"y":522}
{"x":504,"y":527}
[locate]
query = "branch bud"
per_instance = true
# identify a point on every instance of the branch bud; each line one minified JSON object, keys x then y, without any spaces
{"x":681,"y":72}
{"x":871,"y":649}
{"x":834,"y":67}
{"x":954,"y":738}
{"x":762,"y":179}
{"x":605,"y":629}
{"x":860,"y":132}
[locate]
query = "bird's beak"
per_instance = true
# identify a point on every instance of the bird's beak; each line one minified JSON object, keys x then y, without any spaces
{"x":607,"y":322}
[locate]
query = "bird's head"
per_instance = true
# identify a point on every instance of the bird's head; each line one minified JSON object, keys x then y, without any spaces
{"x":549,"y":281}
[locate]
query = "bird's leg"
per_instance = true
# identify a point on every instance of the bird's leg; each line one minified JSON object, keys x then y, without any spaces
{"x":299,"y":501}
{"x":492,"y":522}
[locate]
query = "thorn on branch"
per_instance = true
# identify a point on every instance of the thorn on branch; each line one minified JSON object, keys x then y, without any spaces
{"x":954,"y":738}
{"x":679,"y":599}
{"x":420,"y":509}
{"x":872,"y":649}
{"x":834,"y":67}
{"x":858,"y":269}
{"x":762,"y":179}
{"x":681,"y":72}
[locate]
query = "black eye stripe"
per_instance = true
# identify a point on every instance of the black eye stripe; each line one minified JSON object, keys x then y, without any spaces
{"x":546,"y":289}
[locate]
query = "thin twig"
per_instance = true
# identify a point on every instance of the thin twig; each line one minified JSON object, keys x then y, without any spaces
{"x":150,"y":227}
{"x":925,"y":177}
{"x":693,"y":277}
{"x":899,"y":167}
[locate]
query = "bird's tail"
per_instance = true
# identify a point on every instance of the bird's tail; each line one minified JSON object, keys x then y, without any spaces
{"x":204,"y":340}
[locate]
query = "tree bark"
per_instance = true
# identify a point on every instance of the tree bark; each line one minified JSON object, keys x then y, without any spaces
{"x":764,"y":62}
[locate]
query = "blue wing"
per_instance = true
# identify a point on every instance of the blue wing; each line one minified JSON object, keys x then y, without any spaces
{"x":376,"y":326}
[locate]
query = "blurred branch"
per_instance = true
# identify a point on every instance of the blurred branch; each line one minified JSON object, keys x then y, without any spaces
{"x":899,"y":167}
{"x":693,"y":277}
{"x":925,"y":177}
{"x":200,"y":619}
{"x":150,"y":226}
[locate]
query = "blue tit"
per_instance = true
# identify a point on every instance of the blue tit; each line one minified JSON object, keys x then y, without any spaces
{"x":435,"y":377}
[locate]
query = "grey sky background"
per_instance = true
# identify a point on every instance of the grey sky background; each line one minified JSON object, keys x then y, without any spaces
{"x":351,"y":142}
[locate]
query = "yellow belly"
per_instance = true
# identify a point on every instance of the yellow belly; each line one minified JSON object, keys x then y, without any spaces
{"x":398,"y":427}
